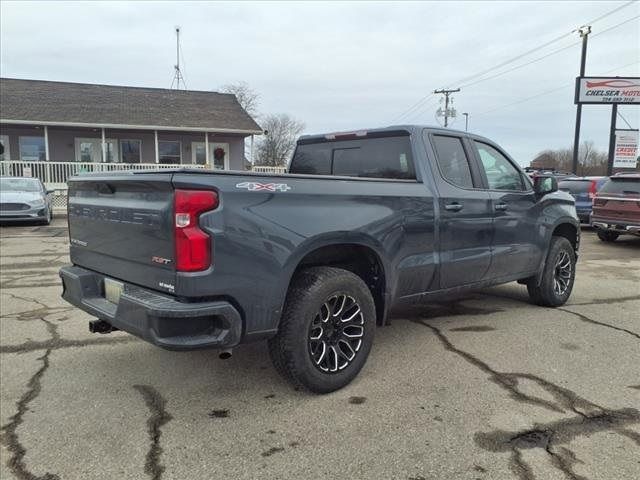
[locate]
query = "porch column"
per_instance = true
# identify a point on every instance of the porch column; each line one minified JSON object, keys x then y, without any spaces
{"x":46,"y":143}
{"x":47,"y":172}
{"x":252,"y":159}
{"x":155,"y":137}
{"x":206,"y":147}
{"x":104,"y":147}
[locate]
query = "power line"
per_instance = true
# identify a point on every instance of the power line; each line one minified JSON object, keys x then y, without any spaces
{"x":517,"y":67}
{"x":547,"y":55}
{"x":625,"y":120}
{"x":518,"y":57}
{"x":420,"y":102}
{"x":517,"y":102}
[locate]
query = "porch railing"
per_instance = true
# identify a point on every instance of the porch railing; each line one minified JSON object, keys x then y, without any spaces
{"x":265,"y":169}
{"x":55,"y":174}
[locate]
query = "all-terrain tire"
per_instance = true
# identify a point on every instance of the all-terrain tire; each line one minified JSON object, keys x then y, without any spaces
{"x":310,"y":296}
{"x":607,"y":236}
{"x":557,"y":282}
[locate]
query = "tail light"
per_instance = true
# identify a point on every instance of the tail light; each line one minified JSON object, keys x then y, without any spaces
{"x":593,"y":188}
{"x":193,"y":245}
{"x":599,"y":202}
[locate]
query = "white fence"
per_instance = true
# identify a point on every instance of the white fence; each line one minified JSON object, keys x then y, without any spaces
{"x":265,"y":169}
{"x":55,"y":174}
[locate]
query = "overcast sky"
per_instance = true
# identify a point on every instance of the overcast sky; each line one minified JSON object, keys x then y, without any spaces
{"x":338,"y":66}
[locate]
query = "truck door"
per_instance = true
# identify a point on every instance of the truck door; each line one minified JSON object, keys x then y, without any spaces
{"x":515,"y":244}
{"x":465,"y":212}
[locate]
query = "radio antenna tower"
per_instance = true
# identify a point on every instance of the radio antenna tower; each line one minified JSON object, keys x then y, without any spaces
{"x":178,"y":77}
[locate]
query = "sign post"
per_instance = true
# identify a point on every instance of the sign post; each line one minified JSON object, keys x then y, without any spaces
{"x":609,"y":91}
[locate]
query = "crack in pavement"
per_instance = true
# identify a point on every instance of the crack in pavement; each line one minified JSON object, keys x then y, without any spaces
{"x":564,"y":399}
{"x":58,"y":343}
{"x":26,"y":299}
{"x":9,"y":436}
{"x":591,"y":418}
{"x":3,"y":286}
{"x":551,"y":435}
{"x":584,"y":318}
{"x":159,"y":416}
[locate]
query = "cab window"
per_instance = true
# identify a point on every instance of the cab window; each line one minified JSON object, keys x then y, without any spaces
{"x":501,"y":173}
{"x":452,"y":160}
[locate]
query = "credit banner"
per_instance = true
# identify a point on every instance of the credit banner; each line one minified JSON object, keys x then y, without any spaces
{"x":626,"y":151}
{"x":607,"y":90}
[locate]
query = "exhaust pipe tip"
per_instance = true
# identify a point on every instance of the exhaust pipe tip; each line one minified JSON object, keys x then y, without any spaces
{"x":225,"y":354}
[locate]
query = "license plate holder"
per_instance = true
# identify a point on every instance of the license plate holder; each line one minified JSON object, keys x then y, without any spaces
{"x":112,"y":290}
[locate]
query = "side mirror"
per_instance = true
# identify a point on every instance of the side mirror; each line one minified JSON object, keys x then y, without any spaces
{"x":543,"y":184}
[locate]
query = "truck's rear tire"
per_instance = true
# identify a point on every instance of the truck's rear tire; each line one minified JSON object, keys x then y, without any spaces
{"x":326,"y":331}
{"x":557,"y":277}
{"x":607,"y":236}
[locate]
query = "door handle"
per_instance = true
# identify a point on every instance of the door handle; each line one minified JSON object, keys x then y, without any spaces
{"x":500,"y":206}
{"x":453,"y":207}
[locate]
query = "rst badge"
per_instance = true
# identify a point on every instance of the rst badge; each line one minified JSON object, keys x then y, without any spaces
{"x":264,"y":187}
{"x":161,"y":260}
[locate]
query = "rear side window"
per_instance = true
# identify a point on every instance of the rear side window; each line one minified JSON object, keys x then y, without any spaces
{"x":574,"y":186}
{"x":453,"y":161}
{"x":628,"y":186}
{"x":388,"y":157}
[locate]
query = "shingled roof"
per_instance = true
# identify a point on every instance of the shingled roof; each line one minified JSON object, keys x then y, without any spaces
{"x":62,"y":103}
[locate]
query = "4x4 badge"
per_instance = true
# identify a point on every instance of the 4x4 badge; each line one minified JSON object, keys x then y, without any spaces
{"x":264,"y":187}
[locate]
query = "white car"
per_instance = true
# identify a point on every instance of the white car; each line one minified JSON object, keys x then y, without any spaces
{"x":24,"y":199}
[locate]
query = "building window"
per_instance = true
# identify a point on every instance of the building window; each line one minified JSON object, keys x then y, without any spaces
{"x":5,"y":151}
{"x":32,"y":149}
{"x":130,"y":151}
{"x":218,"y":155}
{"x":89,"y":150}
{"x":170,"y":152}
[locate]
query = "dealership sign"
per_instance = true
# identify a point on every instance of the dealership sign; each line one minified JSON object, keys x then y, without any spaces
{"x":599,"y":90}
{"x":626,"y":149}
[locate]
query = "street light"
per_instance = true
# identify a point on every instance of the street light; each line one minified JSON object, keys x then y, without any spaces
{"x":466,"y":121}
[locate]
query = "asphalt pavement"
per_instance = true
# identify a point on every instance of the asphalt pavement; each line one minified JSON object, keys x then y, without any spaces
{"x":485,"y":387}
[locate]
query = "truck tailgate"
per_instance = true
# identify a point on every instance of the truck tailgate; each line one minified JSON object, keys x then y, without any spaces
{"x":121,"y":225}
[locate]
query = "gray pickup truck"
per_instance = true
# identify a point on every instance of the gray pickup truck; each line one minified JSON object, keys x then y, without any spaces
{"x":315,"y":259}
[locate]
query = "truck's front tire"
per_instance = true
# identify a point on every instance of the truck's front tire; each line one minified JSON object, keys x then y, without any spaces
{"x":326,"y":331}
{"x":557,"y":277}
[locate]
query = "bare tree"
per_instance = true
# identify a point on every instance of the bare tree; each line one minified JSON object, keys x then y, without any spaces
{"x":591,"y":160}
{"x":279,"y":141}
{"x":247,"y":97}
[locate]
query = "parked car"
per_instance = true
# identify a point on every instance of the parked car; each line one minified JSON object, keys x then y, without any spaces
{"x":534,"y":172}
{"x":24,"y":199}
{"x":616,"y":207}
{"x":312,"y":260}
{"x":583,"y":190}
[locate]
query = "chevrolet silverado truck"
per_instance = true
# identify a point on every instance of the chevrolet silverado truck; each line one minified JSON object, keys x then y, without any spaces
{"x":315,"y":259}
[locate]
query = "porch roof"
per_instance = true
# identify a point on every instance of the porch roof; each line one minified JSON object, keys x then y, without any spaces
{"x":38,"y":102}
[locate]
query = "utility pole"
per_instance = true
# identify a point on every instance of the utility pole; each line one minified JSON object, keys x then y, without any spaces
{"x":466,"y":121}
{"x":446,"y":112}
{"x":612,"y":139}
{"x":178,"y":77}
{"x":584,"y":31}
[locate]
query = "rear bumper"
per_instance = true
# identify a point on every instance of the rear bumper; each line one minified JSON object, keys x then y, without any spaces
{"x":618,"y":225}
{"x":158,"y":319}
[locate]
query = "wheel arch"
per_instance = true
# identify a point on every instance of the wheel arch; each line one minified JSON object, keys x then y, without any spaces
{"x":361,"y":256}
{"x":568,"y":228}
